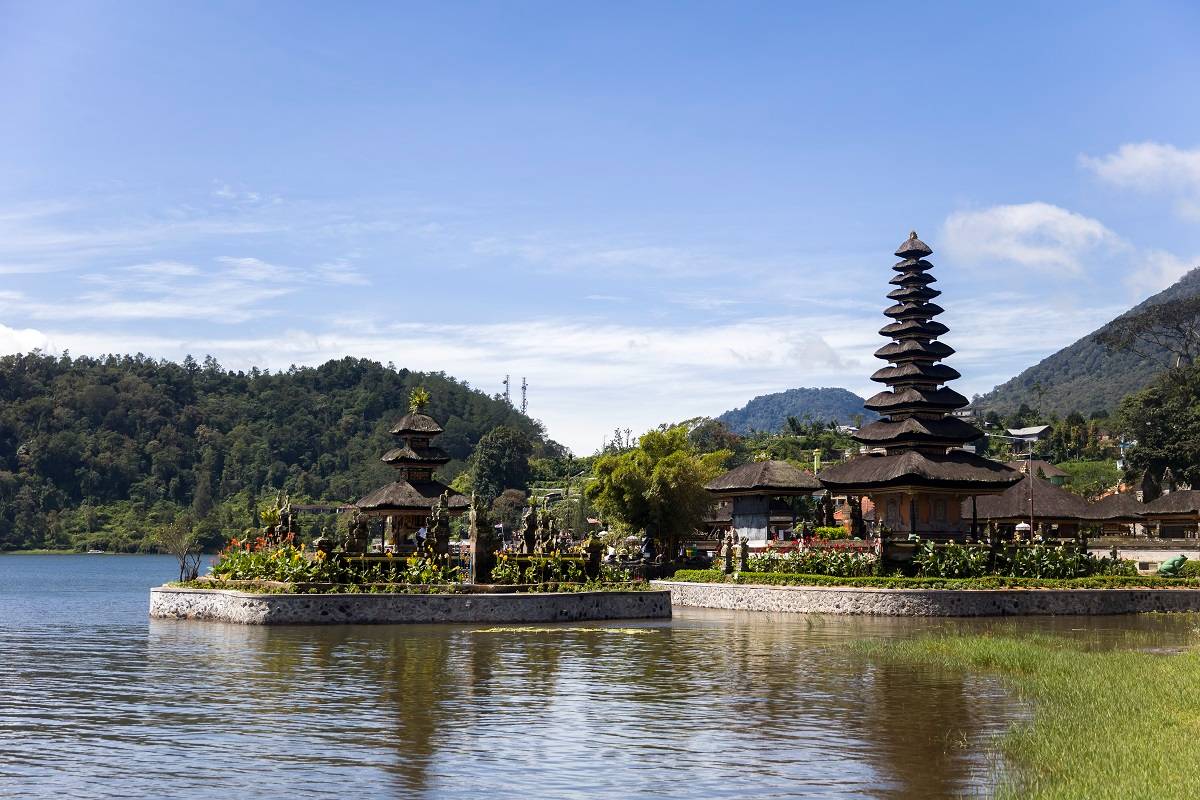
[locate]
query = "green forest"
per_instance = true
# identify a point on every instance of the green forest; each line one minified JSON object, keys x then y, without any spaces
{"x":100,"y":452}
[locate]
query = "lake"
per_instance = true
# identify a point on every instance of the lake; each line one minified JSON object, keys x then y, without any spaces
{"x":100,"y":701}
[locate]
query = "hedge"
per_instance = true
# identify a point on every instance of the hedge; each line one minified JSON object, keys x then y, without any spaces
{"x":990,"y":582}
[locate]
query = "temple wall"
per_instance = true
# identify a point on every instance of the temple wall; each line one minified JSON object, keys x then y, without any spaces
{"x":929,"y":602}
{"x":224,"y":605}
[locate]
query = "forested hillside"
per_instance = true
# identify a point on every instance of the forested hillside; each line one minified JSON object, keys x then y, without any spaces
{"x":1087,"y":376}
{"x":769,"y":412}
{"x":100,"y":451}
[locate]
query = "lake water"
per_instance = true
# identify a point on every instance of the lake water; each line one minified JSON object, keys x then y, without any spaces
{"x":99,"y":701}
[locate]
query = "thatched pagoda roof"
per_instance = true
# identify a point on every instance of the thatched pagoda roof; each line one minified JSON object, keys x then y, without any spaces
{"x":1049,"y":503}
{"x":434,"y":456}
{"x":764,"y":477}
{"x":917,"y":431}
{"x":415,"y":422}
{"x":956,"y":469}
{"x":1182,"y":502}
{"x":415,"y":496}
{"x":1116,"y":507}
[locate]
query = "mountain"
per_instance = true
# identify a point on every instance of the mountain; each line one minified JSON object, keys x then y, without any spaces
{"x":100,"y":451}
{"x":769,"y":412}
{"x":1086,"y":376}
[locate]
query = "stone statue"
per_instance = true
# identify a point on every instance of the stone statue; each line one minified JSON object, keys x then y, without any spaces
{"x":439,"y":525}
{"x":483,"y":542}
{"x":727,"y":553}
{"x":744,"y":555}
{"x":529,"y":522}
{"x":356,"y":533}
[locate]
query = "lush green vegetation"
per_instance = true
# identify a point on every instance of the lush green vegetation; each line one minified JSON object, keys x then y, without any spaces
{"x":1090,"y":478}
{"x":989,"y":582}
{"x":657,"y":485}
{"x":1165,"y":421}
{"x":769,"y":412}
{"x":1038,"y":559}
{"x":1107,"y":724}
{"x":838,"y":562}
{"x":100,"y":452}
{"x":295,"y":563}
{"x":1092,"y":374}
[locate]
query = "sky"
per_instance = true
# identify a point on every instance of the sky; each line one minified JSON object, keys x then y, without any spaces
{"x":650,"y":211}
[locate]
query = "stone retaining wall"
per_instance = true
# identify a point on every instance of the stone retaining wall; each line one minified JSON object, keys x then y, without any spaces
{"x":225,"y":605}
{"x":929,"y":602}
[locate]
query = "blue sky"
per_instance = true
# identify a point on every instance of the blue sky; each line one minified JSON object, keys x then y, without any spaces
{"x":651,"y":210}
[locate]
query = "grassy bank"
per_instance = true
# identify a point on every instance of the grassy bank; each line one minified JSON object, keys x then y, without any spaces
{"x":1111,"y":724}
{"x":990,"y":582}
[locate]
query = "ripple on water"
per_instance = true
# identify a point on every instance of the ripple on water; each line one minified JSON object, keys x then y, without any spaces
{"x":98,"y":701}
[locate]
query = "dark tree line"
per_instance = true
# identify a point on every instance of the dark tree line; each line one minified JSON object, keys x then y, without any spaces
{"x":104,"y":449}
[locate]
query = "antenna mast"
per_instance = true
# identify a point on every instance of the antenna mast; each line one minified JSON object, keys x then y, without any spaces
{"x":524,"y":398}
{"x":507,"y":396}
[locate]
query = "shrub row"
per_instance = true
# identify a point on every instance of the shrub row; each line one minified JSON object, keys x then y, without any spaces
{"x":988,"y":582}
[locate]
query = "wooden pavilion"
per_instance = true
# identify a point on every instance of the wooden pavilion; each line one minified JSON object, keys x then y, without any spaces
{"x":1050,"y":511}
{"x":1117,"y":514}
{"x":407,"y":503}
{"x":1176,"y":514}
{"x":751,"y":488}
{"x":916,"y":471}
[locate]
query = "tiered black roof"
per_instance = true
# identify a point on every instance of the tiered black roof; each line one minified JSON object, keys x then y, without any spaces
{"x":916,"y":434}
{"x":414,"y":459}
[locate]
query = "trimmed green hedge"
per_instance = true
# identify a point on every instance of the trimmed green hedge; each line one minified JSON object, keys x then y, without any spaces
{"x":990,"y":582}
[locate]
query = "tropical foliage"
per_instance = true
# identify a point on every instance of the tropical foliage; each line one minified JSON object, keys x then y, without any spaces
{"x":1039,"y":559}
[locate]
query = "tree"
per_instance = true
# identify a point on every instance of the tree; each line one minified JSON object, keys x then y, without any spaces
{"x":500,"y":461}
{"x":508,"y":507}
{"x":180,"y":540}
{"x":1172,"y":327}
{"x":1164,"y":419}
{"x":657,"y":486}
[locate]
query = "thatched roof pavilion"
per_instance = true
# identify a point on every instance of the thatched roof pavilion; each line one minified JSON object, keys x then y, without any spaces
{"x":1116,"y":508}
{"x":751,"y":488}
{"x":411,"y":498}
{"x":1051,"y":506}
{"x":1177,"y":513}
{"x":917,"y":472}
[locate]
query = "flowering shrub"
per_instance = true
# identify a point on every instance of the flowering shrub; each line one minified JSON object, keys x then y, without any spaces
{"x":830,"y":533}
{"x":261,"y":559}
{"x":552,"y":568}
{"x":839,"y":562}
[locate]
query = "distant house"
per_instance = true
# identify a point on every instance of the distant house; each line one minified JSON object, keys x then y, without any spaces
{"x":1040,"y":469}
{"x":1033,"y":434}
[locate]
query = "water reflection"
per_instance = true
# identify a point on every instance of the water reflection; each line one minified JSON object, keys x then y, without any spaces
{"x":99,"y":702}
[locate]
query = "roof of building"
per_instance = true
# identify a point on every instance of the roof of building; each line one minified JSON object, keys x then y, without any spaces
{"x":1183,"y":501}
{"x":406,"y":455}
{"x":722,"y":513}
{"x":1047,"y":469}
{"x":917,"y":430}
{"x":415,"y":496}
{"x":1050,"y":502}
{"x":953,"y":470}
{"x":1028,"y":433}
{"x":415,"y":422}
{"x":1116,"y":507}
{"x":764,"y":477}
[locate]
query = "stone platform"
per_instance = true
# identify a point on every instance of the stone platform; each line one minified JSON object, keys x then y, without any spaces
{"x":928,"y":602}
{"x":226,"y":605}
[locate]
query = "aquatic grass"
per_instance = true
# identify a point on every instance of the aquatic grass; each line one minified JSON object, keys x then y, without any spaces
{"x":1106,"y":724}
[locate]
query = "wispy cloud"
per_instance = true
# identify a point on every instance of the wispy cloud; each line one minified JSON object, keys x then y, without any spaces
{"x":1034,"y":235}
{"x":1153,"y":167}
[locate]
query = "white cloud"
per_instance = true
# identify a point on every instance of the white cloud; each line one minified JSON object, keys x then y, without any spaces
{"x":1034,"y":235}
{"x":23,"y":340}
{"x":340,"y":271}
{"x":1156,"y":270}
{"x":1152,"y":167}
{"x":1148,"y":166}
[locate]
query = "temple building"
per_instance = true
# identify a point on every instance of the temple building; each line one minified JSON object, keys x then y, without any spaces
{"x":1050,"y":510}
{"x":408,"y":502}
{"x":916,"y":472}
{"x":751,"y":488}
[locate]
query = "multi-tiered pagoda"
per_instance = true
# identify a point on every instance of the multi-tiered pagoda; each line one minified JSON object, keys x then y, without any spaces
{"x":409,"y":501}
{"x":917,"y":472}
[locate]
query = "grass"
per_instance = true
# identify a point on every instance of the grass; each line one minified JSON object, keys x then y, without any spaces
{"x":990,"y":582}
{"x":1108,"y":724}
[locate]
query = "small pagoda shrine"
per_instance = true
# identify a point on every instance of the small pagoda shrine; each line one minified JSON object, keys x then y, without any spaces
{"x":751,"y":487}
{"x":415,"y":496}
{"x":916,"y":470}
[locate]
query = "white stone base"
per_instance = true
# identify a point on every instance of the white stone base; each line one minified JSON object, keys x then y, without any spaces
{"x":225,"y":605}
{"x":928,"y":602}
